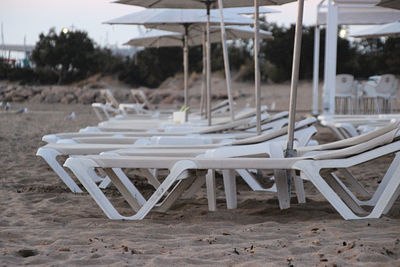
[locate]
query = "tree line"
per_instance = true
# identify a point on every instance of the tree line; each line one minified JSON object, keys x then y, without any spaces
{"x":62,"y":58}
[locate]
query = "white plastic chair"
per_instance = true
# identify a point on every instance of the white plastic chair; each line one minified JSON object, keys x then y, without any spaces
{"x":386,"y":90}
{"x":380,"y":92}
{"x":370,"y":98}
{"x":345,"y":94}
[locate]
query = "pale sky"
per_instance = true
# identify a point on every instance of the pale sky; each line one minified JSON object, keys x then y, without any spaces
{"x":31,"y":17}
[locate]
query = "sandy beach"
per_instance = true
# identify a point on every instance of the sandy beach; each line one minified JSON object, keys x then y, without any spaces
{"x":43,"y":223}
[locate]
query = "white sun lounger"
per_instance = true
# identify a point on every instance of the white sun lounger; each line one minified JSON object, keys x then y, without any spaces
{"x":314,"y":165}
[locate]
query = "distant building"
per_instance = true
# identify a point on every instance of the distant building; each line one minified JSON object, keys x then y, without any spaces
{"x":16,"y":55}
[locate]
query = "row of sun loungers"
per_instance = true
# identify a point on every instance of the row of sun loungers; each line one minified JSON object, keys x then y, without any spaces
{"x":193,"y":152}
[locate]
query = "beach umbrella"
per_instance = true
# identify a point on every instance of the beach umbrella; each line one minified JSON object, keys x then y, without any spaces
{"x":390,"y":29}
{"x":159,"y":38}
{"x":209,"y":4}
{"x":290,"y":152}
{"x":183,"y":20}
{"x":162,"y":38}
{"x":390,"y":4}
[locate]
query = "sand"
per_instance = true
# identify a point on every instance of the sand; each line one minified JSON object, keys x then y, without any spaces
{"x":43,"y":223}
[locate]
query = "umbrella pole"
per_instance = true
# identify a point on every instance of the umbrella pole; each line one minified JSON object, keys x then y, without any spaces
{"x":186,"y":66}
{"x":316,"y":71}
{"x":295,"y":78}
{"x":203,"y":83}
{"x":208,"y":72}
{"x":226,"y":59}
{"x":257,"y":65}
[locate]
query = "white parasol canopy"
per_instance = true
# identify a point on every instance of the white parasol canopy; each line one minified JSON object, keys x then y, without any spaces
{"x":390,"y":29}
{"x":159,"y":38}
{"x":164,"y":16}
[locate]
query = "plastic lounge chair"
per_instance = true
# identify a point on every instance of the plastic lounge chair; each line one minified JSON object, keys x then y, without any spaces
{"x":50,"y":152}
{"x":315,"y":165}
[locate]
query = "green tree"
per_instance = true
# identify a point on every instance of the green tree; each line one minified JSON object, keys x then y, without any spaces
{"x":70,"y":55}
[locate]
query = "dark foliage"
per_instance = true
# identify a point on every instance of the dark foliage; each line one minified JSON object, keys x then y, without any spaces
{"x":63,"y":58}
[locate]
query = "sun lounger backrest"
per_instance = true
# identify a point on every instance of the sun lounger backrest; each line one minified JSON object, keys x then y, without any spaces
{"x":141,"y":98}
{"x":224,"y":127}
{"x":359,"y":148}
{"x":267,"y":118}
{"x":243,"y":124}
{"x":107,"y":94}
{"x":220,"y":105}
{"x":273,"y":134}
{"x":353,"y":140}
{"x":246,"y":114}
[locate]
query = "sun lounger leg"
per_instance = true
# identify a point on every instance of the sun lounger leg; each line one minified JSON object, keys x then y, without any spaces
{"x":299,"y":186}
{"x":131,"y":196}
{"x":98,"y":115}
{"x":341,"y":192}
{"x":149,"y":175}
{"x":388,"y":195}
{"x":106,"y":112}
{"x":80,"y":166}
{"x":230,"y":188}
{"x":175,"y":193}
{"x":281,"y":178}
{"x":105,"y":183}
{"x":50,"y":155}
{"x":281,"y":183}
{"x":94,"y":176}
{"x":312,"y":173}
{"x":362,"y":192}
{"x":211,"y":190}
{"x":252,"y":181}
{"x":349,"y":193}
{"x":355,"y":185}
{"x":337,"y":132}
{"x":176,"y":173}
{"x":129,"y":185}
{"x":193,"y":189}
{"x":385,"y":180}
